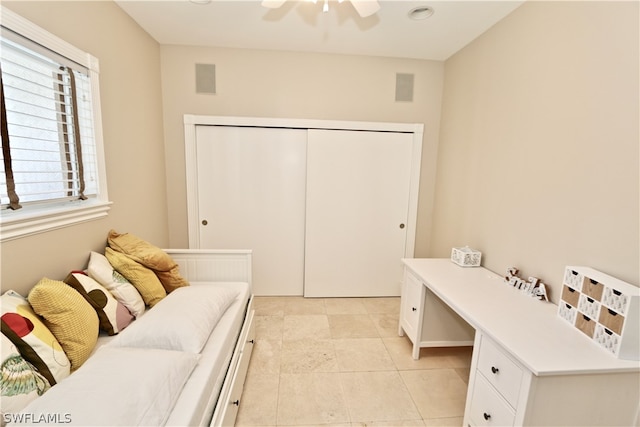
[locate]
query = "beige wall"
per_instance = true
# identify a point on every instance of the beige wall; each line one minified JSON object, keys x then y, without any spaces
{"x":296,"y":85}
{"x":539,"y":149}
{"x":538,"y":158}
{"x":132,"y":125}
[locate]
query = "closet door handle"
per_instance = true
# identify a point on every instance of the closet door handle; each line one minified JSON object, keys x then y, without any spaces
{"x":401,"y":226}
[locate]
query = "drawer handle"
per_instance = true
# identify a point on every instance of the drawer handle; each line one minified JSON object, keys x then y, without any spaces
{"x":593,"y":282}
{"x":236,"y":402}
{"x":616,"y":293}
{"x":611,"y":312}
{"x":585,"y":317}
{"x":608,"y":332}
{"x":495,"y":370}
{"x":414,"y":309}
{"x":486,"y":416}
{"x":575,"y":273}
{"x":590,"y":300}
{"x":568,"y":306}
{"x":571,"y":290}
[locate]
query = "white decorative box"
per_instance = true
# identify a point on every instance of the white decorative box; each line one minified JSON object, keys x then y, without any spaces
{"x":605,"y":309}
{"x":466,"y":257}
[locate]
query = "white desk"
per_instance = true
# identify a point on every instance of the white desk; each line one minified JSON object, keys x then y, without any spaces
{"x":529,"y":366}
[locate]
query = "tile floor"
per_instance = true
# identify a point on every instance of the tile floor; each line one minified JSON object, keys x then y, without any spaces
{"x":340,"y":362}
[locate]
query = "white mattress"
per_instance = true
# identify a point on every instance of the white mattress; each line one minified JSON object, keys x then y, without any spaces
{"x":200,"y":394}
{"x":196,"y":403}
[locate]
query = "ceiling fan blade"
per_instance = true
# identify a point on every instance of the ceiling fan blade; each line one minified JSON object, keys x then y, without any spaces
{"x":366,"y":7}
{"x":273,"y":4}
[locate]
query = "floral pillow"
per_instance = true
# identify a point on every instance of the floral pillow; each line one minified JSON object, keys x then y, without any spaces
{"x":35,"y":342}
{"x":103,"y":272}
{"x":113,"y":315}
{"x":21,"y":381}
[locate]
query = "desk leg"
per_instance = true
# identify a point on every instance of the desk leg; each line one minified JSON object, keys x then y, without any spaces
{"x":416,"y":350}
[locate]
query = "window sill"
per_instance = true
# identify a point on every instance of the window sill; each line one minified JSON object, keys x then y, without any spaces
{"x":17,"y":224}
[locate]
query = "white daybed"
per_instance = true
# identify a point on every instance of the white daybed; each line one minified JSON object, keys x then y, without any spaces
{"x":130,"y":385}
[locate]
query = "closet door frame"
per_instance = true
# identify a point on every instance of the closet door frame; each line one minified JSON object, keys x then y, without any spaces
{"x":191,"y":121}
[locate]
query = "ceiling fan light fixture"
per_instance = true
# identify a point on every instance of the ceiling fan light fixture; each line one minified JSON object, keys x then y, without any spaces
{"x":421,"y":12}
{"x":366,"y":8}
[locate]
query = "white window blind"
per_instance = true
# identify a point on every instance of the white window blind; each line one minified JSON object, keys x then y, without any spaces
{"x":52,"y":165}
{"x":49,"y":120}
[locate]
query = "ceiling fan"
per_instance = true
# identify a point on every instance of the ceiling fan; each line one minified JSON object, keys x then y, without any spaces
{"x":363,"y":7}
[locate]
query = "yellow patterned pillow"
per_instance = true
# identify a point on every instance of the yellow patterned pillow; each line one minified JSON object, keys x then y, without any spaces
{"x":144,"y":279}
{"x":68,"y":316}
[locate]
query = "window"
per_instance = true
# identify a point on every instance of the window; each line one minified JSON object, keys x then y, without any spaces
{"x":52,"y":168}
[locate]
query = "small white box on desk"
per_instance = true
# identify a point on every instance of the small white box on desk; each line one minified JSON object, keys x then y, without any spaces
{"x":466,"y":257}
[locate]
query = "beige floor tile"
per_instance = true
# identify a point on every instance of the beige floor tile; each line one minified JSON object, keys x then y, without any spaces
{"x":309,"y":355}
{"x":386,"y":324}
{"x":344,"y":306}
{"x":265,"y":357}
{"x":268,"y":327}
{"x":363,"y":354}
{"x":460,"y":357}
{"x":382,"y":305}
{"x":311,"y":399}
{"x":464,"y":374}
{"x":300,"y":305}
{"x":400,"y":349}
{"x":268,"y":306}
{"x":352,"y":326}
{"x":377,"y":396}
{"x":444,"y":422}
{"x":339,"y":362}
{"x":259,"y":401}
{"x":438,"y":393}
{"x":299,"y":327}
{"x":401,"y":423}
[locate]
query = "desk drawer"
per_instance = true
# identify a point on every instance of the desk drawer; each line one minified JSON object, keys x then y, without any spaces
{"x":504,"y":374}
{"x":412,"y":302}
{"x":487,"y":407}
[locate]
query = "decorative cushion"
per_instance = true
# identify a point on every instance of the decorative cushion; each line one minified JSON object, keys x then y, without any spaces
{"x":32,"y":338}
{"x":68,"y":316}
{"x":182,"y":321}
{"x":103,"y":272}
{"x":150,"y":256}
{"x":113,"y":316}
{"x":140,"y":251}
{"x":172,"y":280}
{"x":21,"y":382}
{"x":118,"y":387}
{"x":144,"y":279}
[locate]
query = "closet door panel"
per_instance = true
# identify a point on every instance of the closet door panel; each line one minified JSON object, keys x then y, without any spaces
{"x":251,"y":194}
{"x":358,"y":185}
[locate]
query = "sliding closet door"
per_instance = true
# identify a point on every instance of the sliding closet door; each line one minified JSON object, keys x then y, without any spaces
{"x":358,"y":186}
{"x":251,"y":195}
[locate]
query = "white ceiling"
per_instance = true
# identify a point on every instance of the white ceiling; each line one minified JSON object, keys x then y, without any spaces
{"x":302,"y":26}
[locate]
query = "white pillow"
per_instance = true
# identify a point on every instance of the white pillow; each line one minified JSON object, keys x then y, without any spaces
{"x":115,"y":387}
{"x":101,"y":271}
{"x":181,"y":321}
